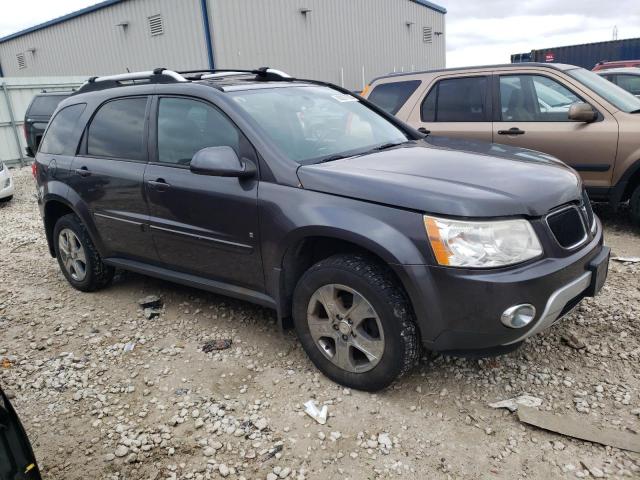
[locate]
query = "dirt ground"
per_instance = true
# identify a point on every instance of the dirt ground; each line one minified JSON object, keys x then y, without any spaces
{"x":95,"y":408}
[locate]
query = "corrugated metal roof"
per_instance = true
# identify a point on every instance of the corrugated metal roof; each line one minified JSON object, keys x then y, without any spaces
{"x":431,"y":5}
{"x":108,"y":3}
{"x":64,"y":18}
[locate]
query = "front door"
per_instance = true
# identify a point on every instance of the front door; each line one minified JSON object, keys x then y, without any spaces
{"x":108,"y":174}
{"x":456,"y":107}
{"x":202,"y":225}
{"x":533,"y":114}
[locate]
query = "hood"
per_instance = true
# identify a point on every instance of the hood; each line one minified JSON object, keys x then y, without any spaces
{"x":451,"y":177}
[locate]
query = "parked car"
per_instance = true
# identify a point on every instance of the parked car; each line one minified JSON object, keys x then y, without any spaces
{"x":626,"y":78}
{"x":6,"y":184}
{"x":38,"y":115}
{"x":617,"y":64}
{"x":17,"y":461}
{"x":300,"y":196}
{"x":565,"y":111}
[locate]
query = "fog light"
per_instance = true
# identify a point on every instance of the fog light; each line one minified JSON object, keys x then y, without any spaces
{"x":518,"y":316}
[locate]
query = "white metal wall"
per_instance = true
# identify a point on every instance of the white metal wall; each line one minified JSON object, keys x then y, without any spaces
{"x":20,"y":92}
{"x":335,"y":41}
{"x":94,"y":44}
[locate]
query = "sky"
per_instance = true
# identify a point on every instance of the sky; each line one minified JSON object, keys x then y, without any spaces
{"x":478,"y":32}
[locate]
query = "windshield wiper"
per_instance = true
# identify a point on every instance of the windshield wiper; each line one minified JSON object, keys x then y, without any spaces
{"x":386,"y":146}
{"x":334,"y":157}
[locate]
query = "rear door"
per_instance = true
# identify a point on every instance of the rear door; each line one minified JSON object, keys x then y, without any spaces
{"x":532,"y":112}
{"x":108,"y":176}
{"x":458,"y":107}
{"x":202,"y":225}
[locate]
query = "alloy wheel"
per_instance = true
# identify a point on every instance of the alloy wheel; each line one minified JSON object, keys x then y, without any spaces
{"x":72,"y":254}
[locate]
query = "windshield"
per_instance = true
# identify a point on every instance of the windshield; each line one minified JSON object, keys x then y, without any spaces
{"x":311,"y":124}
{"x":615,"y":95}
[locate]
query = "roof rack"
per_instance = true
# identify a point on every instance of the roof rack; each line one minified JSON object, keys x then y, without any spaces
{"x":157,"y":75}
{"x":262,"y":74}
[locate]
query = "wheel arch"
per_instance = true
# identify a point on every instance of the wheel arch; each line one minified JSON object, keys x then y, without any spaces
{"x":55,"y":207}
{"x":308,"y":246}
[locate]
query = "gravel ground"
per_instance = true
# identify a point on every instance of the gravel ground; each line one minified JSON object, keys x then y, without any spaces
{"x":95,"y":408}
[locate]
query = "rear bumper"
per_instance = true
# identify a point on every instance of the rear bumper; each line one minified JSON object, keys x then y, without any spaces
{"x":461,"y":309}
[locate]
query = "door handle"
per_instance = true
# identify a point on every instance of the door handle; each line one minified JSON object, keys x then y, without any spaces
{"x":511,"y":131}
{"x":83,"y":171}
{"x":159,"y":184}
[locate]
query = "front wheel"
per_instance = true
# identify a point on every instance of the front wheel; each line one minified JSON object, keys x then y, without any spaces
{"x":355,"y":322}
{"x":78,"y":258}
{"x":635,"y":206}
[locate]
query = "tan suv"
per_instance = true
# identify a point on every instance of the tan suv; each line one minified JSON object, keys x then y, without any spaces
{"x":569,"y":112}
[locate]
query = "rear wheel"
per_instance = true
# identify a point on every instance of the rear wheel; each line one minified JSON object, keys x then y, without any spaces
{"x":78,"y":258}
{"x":6,"y":199}
{"x":635,"y":206}
{"x":355,"y":322}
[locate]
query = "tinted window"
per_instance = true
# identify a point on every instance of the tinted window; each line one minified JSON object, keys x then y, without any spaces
{"x":534,"y":98}
{"x":45,"y":105}
{"x":117,"y":130}
{"x":61,"y":137}
{"x":187,"y":126}
{"x":457,"y":100}
{"x":392,"y":96}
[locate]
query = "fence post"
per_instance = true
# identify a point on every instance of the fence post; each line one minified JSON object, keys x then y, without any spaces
{"x":12,"y":119}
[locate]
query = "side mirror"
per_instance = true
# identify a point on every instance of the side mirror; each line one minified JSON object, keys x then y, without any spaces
{"x":221,"y":162}
{"x":582,"y":112}
{"x":29,"y":152}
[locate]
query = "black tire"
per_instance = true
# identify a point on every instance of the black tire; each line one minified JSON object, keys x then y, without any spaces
{"x":635,"y":206}
{"x":6,"y":199}
{"x":377,"y":285}
{"x":98,"y":275}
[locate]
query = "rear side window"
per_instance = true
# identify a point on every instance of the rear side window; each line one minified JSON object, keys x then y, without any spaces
{"x":61,"y":138}
{"x":457,"y":100}
{"x":45,"y":105}
{"x":117,"y":130}
{"x":187,"y":126}
{"x":392,"y":96}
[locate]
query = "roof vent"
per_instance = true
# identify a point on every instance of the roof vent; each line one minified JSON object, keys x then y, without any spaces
{"x":156,"y":26}
{"x":427,"y":34}
{"x":22,"y":63}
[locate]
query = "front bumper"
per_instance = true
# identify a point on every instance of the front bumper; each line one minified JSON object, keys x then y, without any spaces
{"x":6,"y":183}
{"x":460,"y":309}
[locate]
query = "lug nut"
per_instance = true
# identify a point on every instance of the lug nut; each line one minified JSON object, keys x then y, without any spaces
{"x":345,"y":338}
{"x":335,"y":327}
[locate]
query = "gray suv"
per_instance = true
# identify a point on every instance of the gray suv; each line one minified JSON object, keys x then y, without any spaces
{"x":371,"y":240}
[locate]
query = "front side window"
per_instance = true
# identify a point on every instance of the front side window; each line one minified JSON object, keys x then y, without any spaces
{"x":534,"y":98}
{"x":61,"y":137}
{"x":392,"y":96}
{"x":186,"y":126}
{"x":457,"y":100}
{"x":117,"y":130}
{"x":310,"y":124}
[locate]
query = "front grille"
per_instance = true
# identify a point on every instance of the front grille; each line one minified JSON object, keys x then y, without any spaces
{"x":568,"y":227}
{"x":586,"y":207}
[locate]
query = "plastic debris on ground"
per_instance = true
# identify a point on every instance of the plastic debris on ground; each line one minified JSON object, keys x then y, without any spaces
{"x":513,"y":403}
{"x":319,"y":415}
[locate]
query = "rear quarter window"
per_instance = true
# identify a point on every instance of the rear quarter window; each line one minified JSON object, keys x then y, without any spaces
{"x":61,"y":138}
{"x":45,"y":105}
{"x":392,"y":96}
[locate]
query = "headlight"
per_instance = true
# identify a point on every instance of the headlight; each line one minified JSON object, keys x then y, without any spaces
{"x":481,"y":244}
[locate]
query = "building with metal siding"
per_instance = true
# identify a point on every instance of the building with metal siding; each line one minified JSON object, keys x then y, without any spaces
{"x":343,"y":41}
